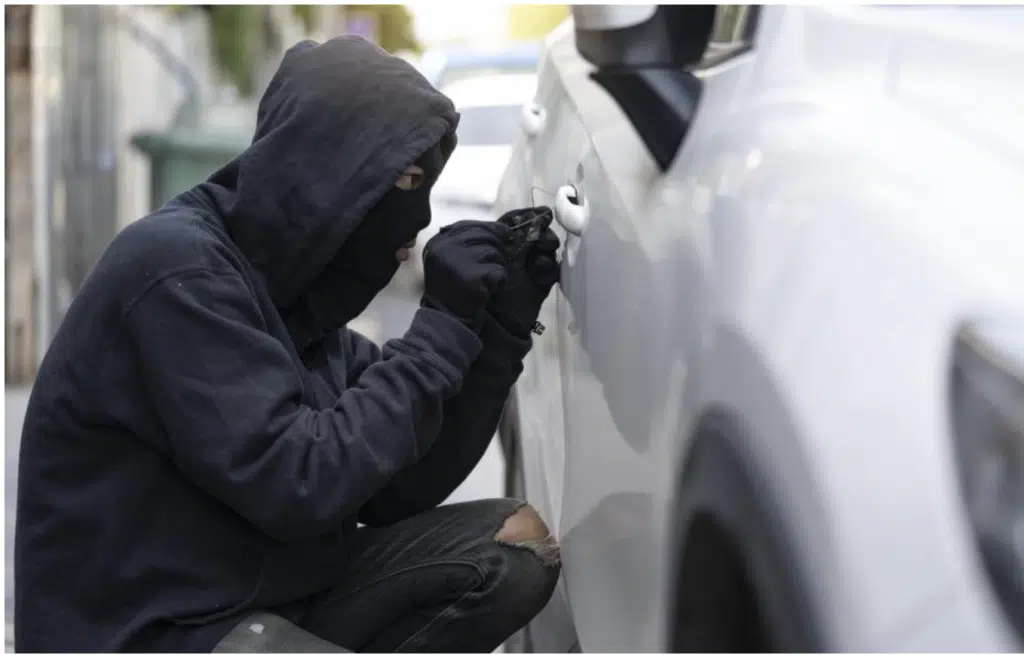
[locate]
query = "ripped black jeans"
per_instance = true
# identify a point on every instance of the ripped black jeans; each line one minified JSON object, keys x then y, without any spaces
{"x":458,"y":578}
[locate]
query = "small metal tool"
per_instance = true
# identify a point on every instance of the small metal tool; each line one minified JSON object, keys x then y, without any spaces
{"x":526,"y":228}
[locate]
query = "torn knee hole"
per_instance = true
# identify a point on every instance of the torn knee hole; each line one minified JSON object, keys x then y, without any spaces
{"x":524,"y":525}
{"x":525,"y":529}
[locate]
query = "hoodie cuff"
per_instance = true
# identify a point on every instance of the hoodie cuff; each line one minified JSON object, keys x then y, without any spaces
{"x":501,"y":346}
{"x":446,"y":338}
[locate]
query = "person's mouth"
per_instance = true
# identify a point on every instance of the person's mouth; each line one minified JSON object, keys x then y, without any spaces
{"x":403,"y":253}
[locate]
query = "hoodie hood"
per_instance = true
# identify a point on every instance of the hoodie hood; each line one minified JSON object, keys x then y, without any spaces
{"x":338,"y":124}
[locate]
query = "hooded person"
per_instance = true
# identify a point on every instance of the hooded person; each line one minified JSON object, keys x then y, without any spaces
{"x":206,"y":440}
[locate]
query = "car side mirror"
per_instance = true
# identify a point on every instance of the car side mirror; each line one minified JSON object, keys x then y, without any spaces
{"x":642,"y":54}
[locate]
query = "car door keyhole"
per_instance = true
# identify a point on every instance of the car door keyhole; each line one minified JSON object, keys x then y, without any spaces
{"x":534,"y":119}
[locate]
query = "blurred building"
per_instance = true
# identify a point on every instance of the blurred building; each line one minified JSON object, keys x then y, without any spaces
{"x":439,"y":24}
{"x":81,"y":81}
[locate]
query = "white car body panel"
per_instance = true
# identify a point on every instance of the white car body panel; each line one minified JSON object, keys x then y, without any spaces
{"x":848,"y":194}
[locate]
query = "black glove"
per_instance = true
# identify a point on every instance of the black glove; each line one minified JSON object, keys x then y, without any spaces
{"x":530,"y":278}
{"x":462,"y":266}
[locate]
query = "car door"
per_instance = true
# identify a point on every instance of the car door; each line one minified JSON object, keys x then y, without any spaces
{"x":625,"y":332}
{"x":552,"y":137}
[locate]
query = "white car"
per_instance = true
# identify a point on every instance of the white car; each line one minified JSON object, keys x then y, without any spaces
{"x":491,"y":108}
{"x":779,"y":403}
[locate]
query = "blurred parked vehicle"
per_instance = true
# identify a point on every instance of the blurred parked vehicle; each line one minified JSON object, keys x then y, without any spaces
{"x":778,"y":404}
{"x":491,"y":109}
{"x":446,"y":65}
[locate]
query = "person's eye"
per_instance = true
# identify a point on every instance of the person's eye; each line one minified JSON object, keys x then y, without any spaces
{"x":412,"y":178}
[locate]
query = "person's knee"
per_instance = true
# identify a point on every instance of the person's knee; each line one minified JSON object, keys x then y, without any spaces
{"x":533,"y":565}
{"x":526,"y":529}
{"x":524,"y":525}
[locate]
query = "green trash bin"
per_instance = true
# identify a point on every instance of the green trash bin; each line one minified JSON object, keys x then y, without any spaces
{"x":184,"y":156}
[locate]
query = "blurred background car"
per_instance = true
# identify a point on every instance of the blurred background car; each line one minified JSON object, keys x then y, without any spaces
{"x":777,"y":406}
{"x":442,"y":66}
{"x":491,"y":110}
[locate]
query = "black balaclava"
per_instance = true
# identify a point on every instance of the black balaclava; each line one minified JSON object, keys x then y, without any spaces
{"x":336,"y":127}
{"x":368,"y":260}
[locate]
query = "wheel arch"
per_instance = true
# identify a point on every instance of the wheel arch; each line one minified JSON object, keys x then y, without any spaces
{"x":722,"y":487}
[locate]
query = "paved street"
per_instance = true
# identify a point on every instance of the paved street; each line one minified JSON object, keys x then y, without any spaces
{"x":387,"y":317}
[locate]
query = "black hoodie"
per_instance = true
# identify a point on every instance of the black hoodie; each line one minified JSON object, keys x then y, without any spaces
{"x":202,"y":437}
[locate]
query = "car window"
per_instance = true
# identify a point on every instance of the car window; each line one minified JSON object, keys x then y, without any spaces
{"x":489,"y":125}
{"x":732,"y":32}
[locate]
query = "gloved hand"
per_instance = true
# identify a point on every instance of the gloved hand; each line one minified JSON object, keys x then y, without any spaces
{"x":463,"y":265}
{"x":530,"y":278}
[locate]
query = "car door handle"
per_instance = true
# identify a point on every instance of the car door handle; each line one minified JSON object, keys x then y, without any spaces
{"x":534,"y":119}
{"x":571,"y":210}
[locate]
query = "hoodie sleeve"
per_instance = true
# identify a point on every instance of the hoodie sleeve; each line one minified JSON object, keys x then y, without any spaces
{"x":230,"y":398}
{"x":470,"y":420}
{"x":360,"y":354}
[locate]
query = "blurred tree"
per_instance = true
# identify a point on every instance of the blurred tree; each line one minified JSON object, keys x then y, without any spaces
{"x":533,"y":22}
{"x":239,"y":34}
{"x":236,"y":34}
{"x":392,"y":26}
{"x":308,"y":15}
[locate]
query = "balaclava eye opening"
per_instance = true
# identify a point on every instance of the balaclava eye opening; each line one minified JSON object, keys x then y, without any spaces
{"x":369,"y":252}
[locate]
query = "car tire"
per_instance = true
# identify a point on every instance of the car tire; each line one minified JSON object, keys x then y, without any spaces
{"x":738,"y":585}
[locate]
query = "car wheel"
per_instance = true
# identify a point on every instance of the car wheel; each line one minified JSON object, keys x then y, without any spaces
{"x":738,"y":587}
{"x":515,"y":487}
